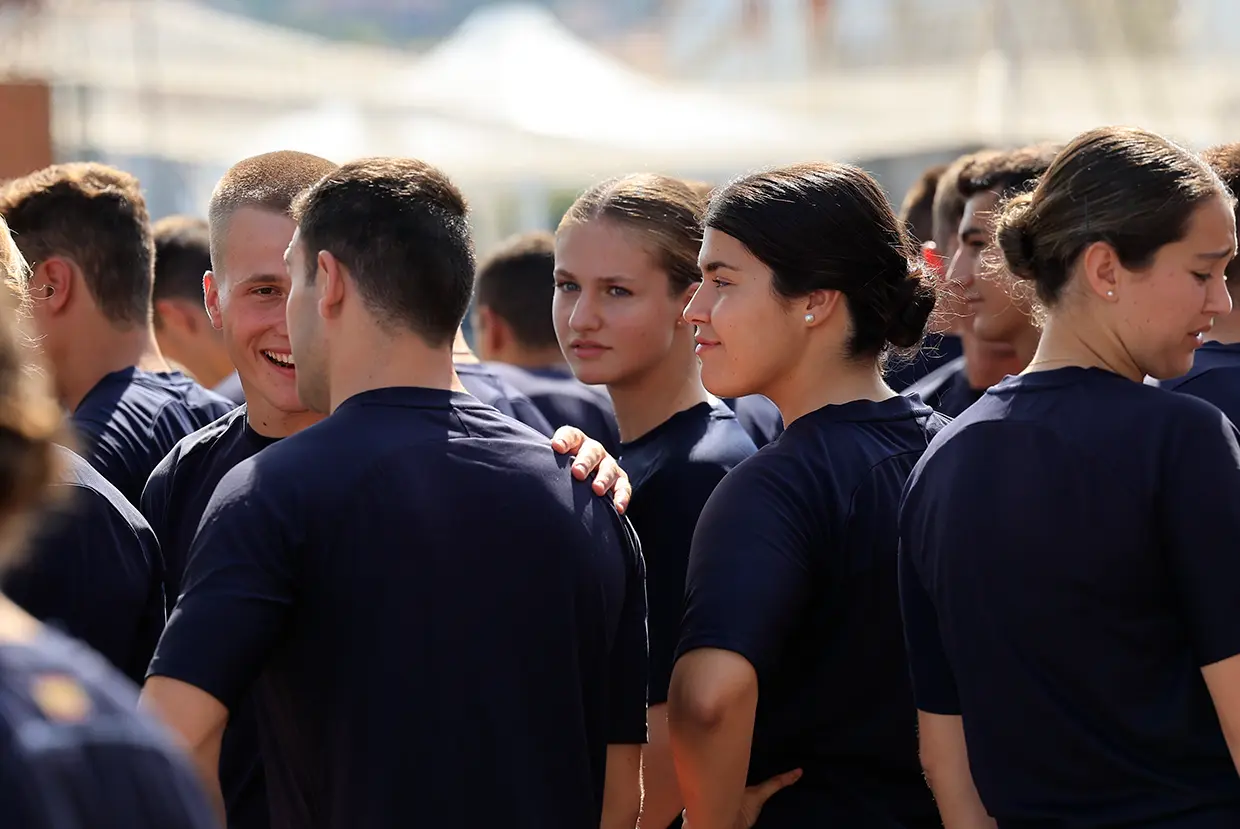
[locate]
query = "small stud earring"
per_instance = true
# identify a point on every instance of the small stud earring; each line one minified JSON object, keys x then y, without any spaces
{"x":809,"y":317}
{"x":1110,"y":293}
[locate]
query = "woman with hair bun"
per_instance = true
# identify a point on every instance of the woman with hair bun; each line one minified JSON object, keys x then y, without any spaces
{"x":1069,"y":573}
{"x":791,"y":674}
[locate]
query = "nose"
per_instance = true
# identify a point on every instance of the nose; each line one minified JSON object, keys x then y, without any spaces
{"x":1218,"y":298}
{"x":962,"y":269}
{"x":584,"y":316}
{"x":697,"y":311}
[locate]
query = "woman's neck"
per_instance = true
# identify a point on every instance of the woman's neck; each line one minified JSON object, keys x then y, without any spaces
{"x":1068,"y":342}
{"x":643,"y":403}
{"x":826,"y":382}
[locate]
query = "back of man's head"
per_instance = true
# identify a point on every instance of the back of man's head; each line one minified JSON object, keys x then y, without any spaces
{"x":182,"y":256}
{"x":269,"y":182}
{"x":917,"y":209}
{"x":399,"y":226}
{"x":516,"y":282}
{"x":95,"y":216}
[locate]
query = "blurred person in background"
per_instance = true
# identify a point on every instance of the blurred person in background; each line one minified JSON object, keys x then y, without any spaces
{"x":251,"y":226}
{"x":84,"y":230}
{"x":182,"y":325}
{"x":998,"y":325}
{"x":1068,"y":571}
{"x":791,"y":660}
{"x":625,"y":267}
{"x":516,"y":337}
{"x":917,"y":214}
{"x":92,"y":566}
{"x":73,"y":752}
{"x":334,"y":570}
{"x":757,"y":415}
{"x":954,"y":386}
{"x":1215,"y":375}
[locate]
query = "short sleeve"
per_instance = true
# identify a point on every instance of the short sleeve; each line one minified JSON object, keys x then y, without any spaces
{"x":934,"y":685}
{"x":664,"y":513}
{"x":524,"y":410}
{"x":1200,"y":494}
{"x":237,"y":590}
{"x":629,"y":669}
{"x":750,"y":566}
{"x":156,"y":494}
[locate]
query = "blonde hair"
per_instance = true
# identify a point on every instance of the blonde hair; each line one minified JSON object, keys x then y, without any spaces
{"x":31,"y":422}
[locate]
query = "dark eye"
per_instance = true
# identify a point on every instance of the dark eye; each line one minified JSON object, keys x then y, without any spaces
{"x":566,"y":286}
{"x":1204,"y":277}
{"x":616,"y":290}
{"x":265,"y":290}
{"x":719,"y":283}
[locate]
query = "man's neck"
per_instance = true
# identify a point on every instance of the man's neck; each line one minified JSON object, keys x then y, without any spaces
{"x":109,"y":350}
{"x":378,"y":361}
{"x":273,"y":423}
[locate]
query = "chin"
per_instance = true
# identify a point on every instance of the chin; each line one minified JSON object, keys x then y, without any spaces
{"x":720,"y":385}
{"x":591,"y":375}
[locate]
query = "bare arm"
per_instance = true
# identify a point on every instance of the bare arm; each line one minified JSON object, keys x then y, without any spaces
{"x":1223,"y":681}
{"x":197,"y":720}
{"x":945,"y":758}
{"x":622,"y":792}
{"x":711,"y":708}
{"x":661,"y":800}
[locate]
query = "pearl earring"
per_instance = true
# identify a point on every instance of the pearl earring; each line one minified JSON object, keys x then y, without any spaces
{"x":1110,"y":293}
{"x":809,"y":317}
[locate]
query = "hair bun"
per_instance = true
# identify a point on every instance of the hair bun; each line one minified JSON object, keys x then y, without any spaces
{"x":911,"y":307}
{"x":1014,"y":239}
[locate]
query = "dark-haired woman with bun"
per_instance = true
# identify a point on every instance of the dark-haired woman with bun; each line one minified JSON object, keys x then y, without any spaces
{"x":1069,"y":570}
{"x":791,"y":659}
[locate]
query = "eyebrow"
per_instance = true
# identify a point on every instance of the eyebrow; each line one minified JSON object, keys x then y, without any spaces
{"x":255,"y":278}
{"x":711,"y":267}
{"x":1214,"y":257}
{"x":971,"y":230}
{"x":563,"y":274}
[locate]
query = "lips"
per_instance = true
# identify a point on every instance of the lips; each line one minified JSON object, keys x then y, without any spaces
{"x":704,"y":344}
{"x":587,"y":349}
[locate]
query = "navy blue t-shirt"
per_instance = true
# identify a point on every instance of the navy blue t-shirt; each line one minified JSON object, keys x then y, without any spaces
{"x":93,"y":569}
{"x":1215,"y":377}
{"x":174,"y":501}
{"x":794,"y":568}
{"x":438,"y":620}
{"x":673,"y":469}
{"x":74,"y":752}
{"x":946,"y":389}
{"x":565,"y":401}
{"x":1068,"y":564}
{"x":759,"y":417}
{"x":132,"y":418}
{"x":490,"y":388}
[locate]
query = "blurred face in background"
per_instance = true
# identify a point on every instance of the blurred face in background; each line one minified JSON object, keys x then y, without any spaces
{"x":1002,"y":311}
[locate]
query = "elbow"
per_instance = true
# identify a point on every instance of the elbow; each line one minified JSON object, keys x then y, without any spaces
{"x":705,"y":703}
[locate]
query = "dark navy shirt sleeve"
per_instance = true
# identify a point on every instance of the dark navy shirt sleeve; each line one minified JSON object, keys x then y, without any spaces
{"x":628,"y":674}
{"x":934,"y":686}
{"x":664,"y":513}
{"x":749,"y":567}
{"x":238,"y":588}
{"x":97,"y":577}
{"x":1199,"y":487}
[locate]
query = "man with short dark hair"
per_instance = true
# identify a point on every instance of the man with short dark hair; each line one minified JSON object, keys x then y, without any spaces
{"x":182,"y":325}
{"x":955,"y":386}
{"x":84,"y":230}
{"x":411,"y":652}
{"x":515,"y":335}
